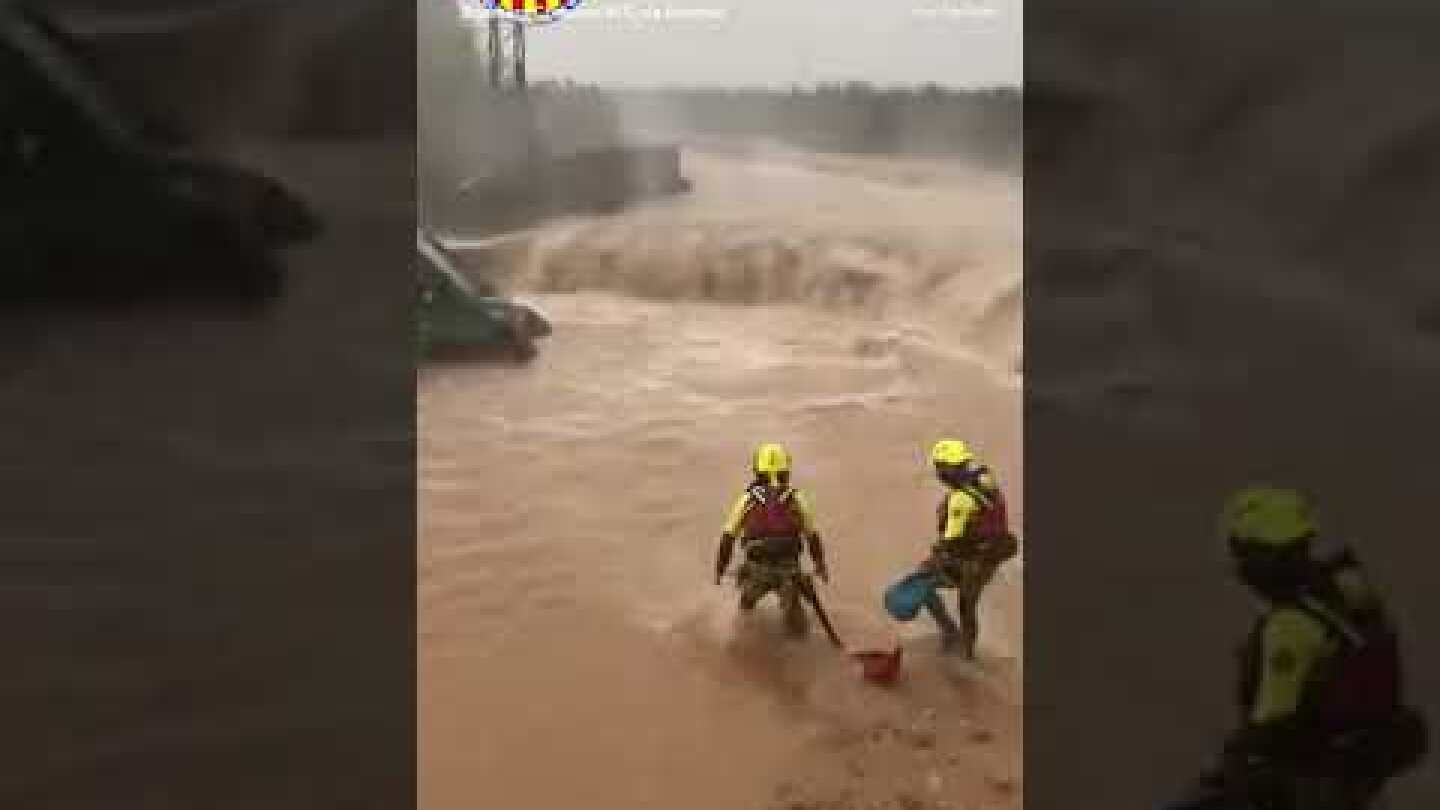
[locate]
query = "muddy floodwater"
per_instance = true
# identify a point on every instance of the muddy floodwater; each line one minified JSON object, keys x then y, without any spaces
{"x":574,"y":650}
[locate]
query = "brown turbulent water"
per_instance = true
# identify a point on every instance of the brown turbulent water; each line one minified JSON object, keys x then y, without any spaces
{"x":574,"y":651}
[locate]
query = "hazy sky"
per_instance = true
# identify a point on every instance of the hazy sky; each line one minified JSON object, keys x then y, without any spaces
{"x":732,"y":42}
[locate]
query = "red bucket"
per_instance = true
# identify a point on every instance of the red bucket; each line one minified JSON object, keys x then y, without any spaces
{"x":879,"y":667}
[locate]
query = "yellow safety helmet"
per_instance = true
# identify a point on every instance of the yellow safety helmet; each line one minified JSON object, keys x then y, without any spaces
{"x":1267,"y":517}
{"x":772,"y":461}
{"x":951,"y":452}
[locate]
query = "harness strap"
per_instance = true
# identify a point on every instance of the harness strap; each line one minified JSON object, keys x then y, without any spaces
{"x":1334,"y":621}
{"x":756,"y":499}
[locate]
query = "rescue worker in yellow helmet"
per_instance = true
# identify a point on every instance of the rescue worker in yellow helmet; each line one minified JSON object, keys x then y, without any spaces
{"x":1323,"y":723}
{"x":974,"y":538}
{"x":772,"y":521}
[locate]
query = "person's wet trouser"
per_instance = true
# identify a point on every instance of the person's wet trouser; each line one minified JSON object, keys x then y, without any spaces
{"x":935,"y":606}
{"x":762,"y":574}
{"x":968,"y":576}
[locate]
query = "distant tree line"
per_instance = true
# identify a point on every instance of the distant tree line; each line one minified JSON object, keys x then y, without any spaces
{"x":856,"y":117}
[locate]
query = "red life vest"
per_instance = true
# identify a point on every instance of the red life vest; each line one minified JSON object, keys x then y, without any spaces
{"x":1358,"y":687}
{"x":1363,"y":682}
{"x":990,"y":522}
{"x":772,"y":512}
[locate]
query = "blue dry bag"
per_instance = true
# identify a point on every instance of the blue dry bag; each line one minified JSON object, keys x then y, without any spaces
{"x":904,"y":599}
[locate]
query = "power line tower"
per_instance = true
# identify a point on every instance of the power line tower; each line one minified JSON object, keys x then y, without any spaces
{"x":517,"y":51}
{"x":505,"y":38}
{"x":494,"y":53}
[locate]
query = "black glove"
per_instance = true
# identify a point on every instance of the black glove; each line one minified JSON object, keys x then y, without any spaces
{"x":1249,"y":770}
{"x":722,"y":557}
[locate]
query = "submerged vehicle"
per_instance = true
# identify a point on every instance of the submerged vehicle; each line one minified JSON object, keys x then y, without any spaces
{"x":454,"y":321}
{"x":102,"y":202}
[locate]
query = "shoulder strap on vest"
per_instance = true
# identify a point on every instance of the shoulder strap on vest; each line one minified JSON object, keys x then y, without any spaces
{"x":1332,"y":619}
{"x":979,"y":495}
{"x":759,"y":494}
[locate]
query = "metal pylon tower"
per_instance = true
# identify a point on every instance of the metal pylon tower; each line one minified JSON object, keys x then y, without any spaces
{"x":505,"y":38}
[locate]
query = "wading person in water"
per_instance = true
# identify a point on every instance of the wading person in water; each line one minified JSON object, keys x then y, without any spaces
{"x":974,"y":538}
{"x":772,"y":522}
